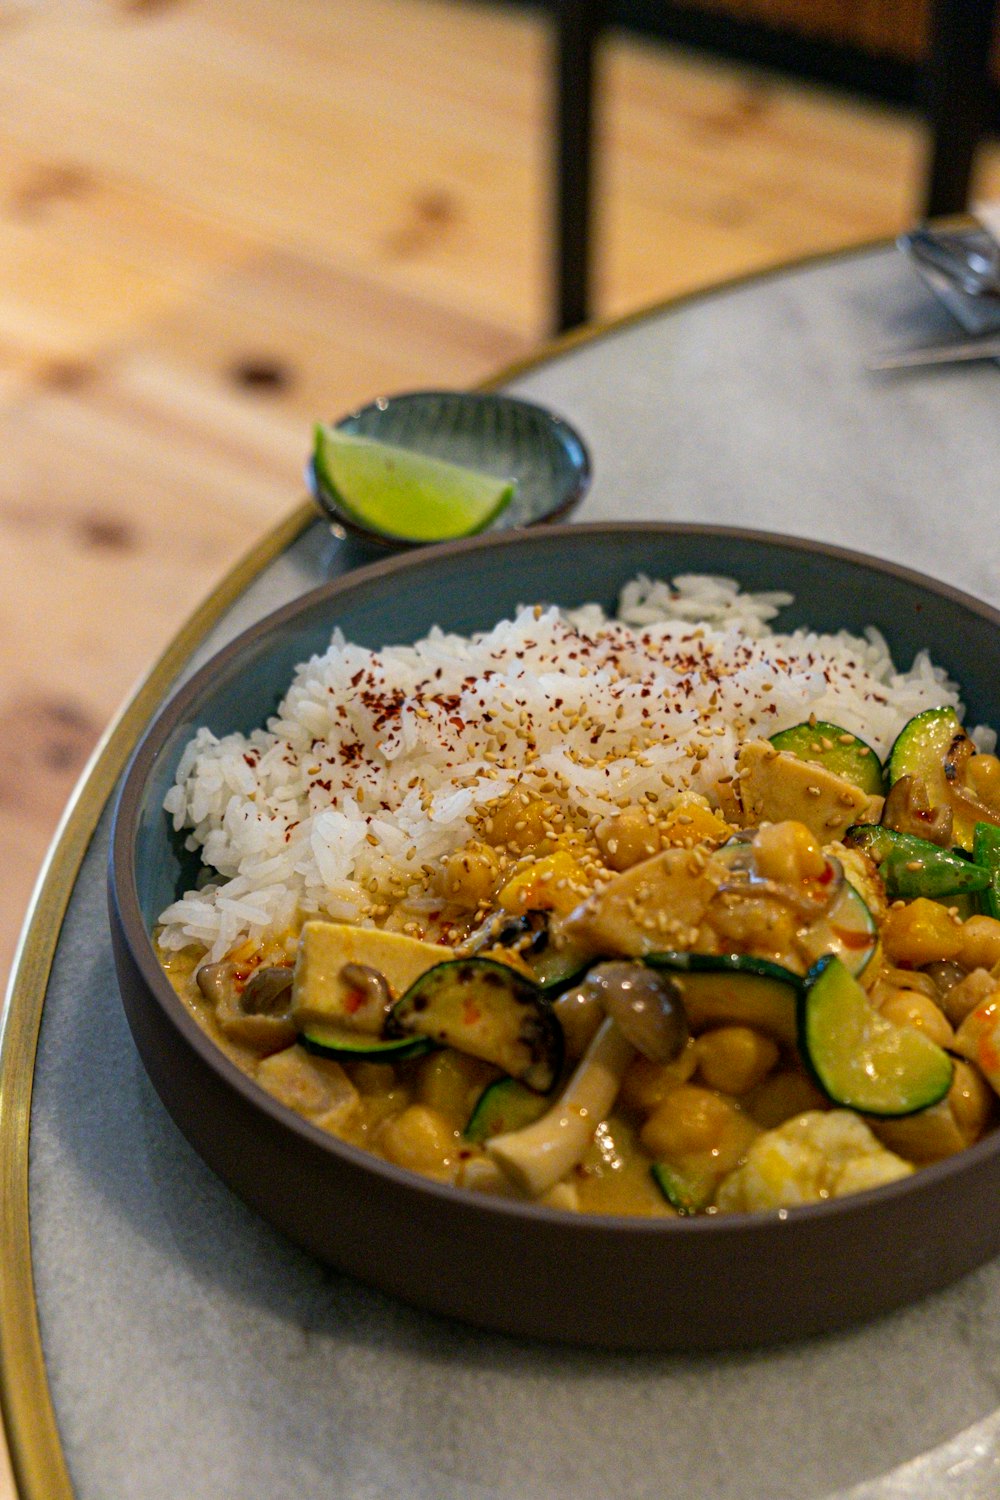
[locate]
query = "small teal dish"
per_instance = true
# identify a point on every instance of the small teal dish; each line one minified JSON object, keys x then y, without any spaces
{"x":496,"y":434}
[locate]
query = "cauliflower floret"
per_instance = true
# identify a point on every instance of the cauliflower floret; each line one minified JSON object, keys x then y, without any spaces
{"x":819,"y":1154}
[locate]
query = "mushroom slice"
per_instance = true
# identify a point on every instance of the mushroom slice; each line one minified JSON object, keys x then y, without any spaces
{"x":215,"y":981}
{"x":775,"y":786}
{"x":267,"y":992}
{"x":647,"y":1006}
{"x":540,"y":1155}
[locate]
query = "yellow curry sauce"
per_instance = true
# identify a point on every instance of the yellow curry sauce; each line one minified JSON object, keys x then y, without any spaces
{"x":737,"y":1120}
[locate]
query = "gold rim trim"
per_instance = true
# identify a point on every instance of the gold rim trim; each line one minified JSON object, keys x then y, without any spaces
{"x":26,"y":1409}
{"x":36,"y":1455}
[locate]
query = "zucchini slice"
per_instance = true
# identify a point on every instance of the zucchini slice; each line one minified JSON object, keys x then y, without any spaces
{"x":732,"y":989}
{"x":327,"y":1039}
{"x":503,"y":1105}
{"x":933,"y":747}
{"x":986,"y":852}
{"x":861,"y":1060}
{"x":849,"y":930}
{"x":556,"y":968}
{"x":487,"y":1010}
{"x":829,"y":745}
{"x":687,"y":1192}
{"x":912,"y":866}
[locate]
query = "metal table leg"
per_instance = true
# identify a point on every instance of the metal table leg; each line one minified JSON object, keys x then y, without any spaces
{"x":577,"y":30}
{"x":958,"y":97}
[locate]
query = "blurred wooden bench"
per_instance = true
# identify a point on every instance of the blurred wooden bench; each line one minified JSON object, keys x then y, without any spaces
{"x":950,"y":40}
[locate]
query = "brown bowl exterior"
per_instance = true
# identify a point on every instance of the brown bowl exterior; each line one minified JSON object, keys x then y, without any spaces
{"x":611,"y":1282}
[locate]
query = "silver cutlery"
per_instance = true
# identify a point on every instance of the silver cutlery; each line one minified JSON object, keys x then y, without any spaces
{"x":987,"y":347}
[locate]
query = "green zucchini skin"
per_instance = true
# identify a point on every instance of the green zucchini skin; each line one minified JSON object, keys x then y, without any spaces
{"x":503,"y":1105}
{"x":733,"y":989}
{"x":922,"y":743}
{"x":555,"y":969}
{"x":912,"y":866}
{"x":849,"y":929}
{"x":355,"y":1046}
{"x":986,"y":852}
{"x":684,"y":1191}
{"x":860,"y":1060}
{"x":835,"y":748}
{"x":488,"y":1010}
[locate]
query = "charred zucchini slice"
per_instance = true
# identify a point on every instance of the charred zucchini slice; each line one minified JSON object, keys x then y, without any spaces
{"x":327,"y":1039}
{"x":503,"y":1105}
{"x":912,"y":866}
{"x":933,"y":748}
{"x":732,"y":989}
{"x":860,"y":1059}
{"x":487,"y":1010}
{"x":836,"y":749}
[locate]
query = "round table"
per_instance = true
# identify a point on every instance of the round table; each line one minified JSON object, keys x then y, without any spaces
{"x":158,"y":1340}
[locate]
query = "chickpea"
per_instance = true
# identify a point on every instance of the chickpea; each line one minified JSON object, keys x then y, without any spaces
{"x":470,"y":874}
{"x":734,"y":1059}
{"x":689,"y":1120}
{"x":646,"y":1084}
{"x":970,"y":1100}
{"x":983,"y":773}
{"x":908,"y":1008}
{"x":753,"y":924}
{"x":450,"y":1083}
{"x":789,"y":852}
{"x":518,"y":821}
{"x":626,"y":838}
{"x":980,"y":943}
{"x":781,"y":1097}
{"x":923,"y":932}
{"x":969,"y":992}
{"x":419,"y":1138}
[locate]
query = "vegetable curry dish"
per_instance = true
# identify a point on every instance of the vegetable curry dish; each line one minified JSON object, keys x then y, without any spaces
{"x":665,"y":914}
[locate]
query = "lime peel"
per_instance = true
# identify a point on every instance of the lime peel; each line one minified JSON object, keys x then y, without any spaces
{"x":402,"y":494}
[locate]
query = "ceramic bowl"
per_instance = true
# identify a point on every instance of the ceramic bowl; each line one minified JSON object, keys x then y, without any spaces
{"x":484,"y":430}
{"x":624,"y":1282}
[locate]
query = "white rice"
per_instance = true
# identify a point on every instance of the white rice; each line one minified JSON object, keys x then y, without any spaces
{"x":376,"y":762}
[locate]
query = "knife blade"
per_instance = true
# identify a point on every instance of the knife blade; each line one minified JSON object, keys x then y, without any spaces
{"x":939,"y":354}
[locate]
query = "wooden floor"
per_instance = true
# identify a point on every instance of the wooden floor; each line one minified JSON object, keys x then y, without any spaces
{"x":221,"y":219}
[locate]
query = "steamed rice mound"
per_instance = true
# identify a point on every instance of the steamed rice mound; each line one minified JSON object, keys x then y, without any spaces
{"x":378,"y":765}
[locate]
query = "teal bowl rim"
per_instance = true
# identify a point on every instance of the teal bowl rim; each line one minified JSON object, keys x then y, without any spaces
{"x":567,"y":433}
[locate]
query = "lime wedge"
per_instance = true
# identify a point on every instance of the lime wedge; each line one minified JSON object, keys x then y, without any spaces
{"x":403,"y":494}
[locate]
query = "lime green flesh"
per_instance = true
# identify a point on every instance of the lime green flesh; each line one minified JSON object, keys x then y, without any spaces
{"x":861,"y":1060}
{"x":406,"y":495}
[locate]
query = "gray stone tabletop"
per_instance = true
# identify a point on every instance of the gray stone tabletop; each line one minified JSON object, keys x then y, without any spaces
{"x":193,"y":1353}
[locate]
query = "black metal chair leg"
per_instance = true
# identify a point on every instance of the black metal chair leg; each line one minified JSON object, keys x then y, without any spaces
{"x":958,"y":97}
{"x":578,"y":27}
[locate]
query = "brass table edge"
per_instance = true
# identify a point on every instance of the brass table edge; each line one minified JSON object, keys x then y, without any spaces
{"x":29,"y":1421}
